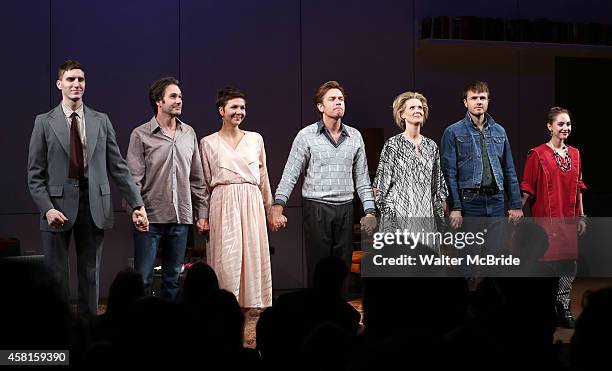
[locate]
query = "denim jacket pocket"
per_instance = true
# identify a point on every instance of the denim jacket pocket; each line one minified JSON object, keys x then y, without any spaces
{"x":465,"y":149}
{"x":498,"y":144}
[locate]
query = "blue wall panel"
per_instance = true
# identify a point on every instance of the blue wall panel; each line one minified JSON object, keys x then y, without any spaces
{"x":278,"y":52}
{"x":254,"y":46}
{"x":24,"y":27}
{"x":367,"y":47}
{"x":124,"y":46}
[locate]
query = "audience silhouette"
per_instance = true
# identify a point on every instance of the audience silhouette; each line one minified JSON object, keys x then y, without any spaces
{"x":433,"y":321}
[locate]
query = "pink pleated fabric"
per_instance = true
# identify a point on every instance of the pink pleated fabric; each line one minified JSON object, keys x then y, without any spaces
{"x":240,"y":194}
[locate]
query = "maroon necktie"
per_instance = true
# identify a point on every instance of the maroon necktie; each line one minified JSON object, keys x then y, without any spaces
{"x":77,"y":165}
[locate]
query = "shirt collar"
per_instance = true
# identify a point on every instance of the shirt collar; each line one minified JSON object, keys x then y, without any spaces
{"x":155,"y":125}
{"x":486,"y":122}
{"x":68,"y":112}
{"x":322,"y":129}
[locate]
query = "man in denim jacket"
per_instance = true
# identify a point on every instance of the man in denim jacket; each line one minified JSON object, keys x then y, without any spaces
{"x":477,"y":163}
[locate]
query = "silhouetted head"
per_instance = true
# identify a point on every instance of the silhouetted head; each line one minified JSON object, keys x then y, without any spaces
{"x":126,"y":288}
{"x":200,"y":281}
{"x":33,"y":314}
{"x":591,"y":342}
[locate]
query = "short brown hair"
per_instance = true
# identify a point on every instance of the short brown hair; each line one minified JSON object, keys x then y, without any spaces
{"x":323,"y":89}
{"x":554,"y":112}
{"x":228,"y":93}
{"x":68,"y":65}
{"x":399,"y":105}
{"x":157,"y":89}
{"x":477,"y":87}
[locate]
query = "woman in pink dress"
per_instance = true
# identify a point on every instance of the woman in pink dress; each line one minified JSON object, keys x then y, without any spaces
{"x":552,"y":184}
{"x":239,"y":194}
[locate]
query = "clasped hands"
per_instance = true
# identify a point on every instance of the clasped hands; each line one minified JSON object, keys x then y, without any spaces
{"x":276,"y":219}
{"x":140,"y":219}
{"x":368,"y":223}
{"x":202,"y":225}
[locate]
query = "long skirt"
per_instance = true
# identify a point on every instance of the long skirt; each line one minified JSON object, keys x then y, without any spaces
{"x":238,"y":248}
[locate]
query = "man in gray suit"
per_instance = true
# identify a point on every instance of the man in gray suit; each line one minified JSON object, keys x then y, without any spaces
{"x":72,"y":152}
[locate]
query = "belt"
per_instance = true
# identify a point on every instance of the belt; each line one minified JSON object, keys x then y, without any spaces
{"x":484,"y":191}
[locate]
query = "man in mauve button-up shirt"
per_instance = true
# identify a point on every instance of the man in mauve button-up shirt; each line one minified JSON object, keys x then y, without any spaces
{"x":164,"y":159}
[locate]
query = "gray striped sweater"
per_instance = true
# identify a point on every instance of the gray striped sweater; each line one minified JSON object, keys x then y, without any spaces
{"x":332,"y":173}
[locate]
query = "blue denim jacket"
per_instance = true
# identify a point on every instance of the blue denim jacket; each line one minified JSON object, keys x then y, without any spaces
{"x":462,"y":164}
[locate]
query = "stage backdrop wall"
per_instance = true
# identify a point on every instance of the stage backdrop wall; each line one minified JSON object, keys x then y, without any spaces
{"x":278,"y":52}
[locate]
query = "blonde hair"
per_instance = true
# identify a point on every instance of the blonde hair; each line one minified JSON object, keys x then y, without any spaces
{"x":399,"y":105}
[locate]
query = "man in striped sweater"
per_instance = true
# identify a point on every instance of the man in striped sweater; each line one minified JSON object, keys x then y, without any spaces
{"x":332,"y":157}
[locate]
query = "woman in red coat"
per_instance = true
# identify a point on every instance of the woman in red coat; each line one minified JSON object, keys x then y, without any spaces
{"x":552,"y":184}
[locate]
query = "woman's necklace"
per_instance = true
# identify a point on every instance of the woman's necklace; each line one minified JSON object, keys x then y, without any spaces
{"x":564,"y":162}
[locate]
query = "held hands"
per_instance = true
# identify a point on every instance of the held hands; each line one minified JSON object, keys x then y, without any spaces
{"x":140,"y":220}
{"x":55,"y":218}
{"x":456,"y":220}
{"x":375,"y":192}
{"x":514,"y":215}
{"x":202,"y":226}
{"x":276,"y":219}
{"x":368,"y":223}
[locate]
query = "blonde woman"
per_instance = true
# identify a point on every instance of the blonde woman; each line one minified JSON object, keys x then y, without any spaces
{"x":409,"y":184}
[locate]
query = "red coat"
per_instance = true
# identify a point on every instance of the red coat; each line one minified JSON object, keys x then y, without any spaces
{"x":555,"y":199}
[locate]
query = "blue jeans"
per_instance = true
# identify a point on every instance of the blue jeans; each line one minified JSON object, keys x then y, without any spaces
{"x":483,"y":212}
{"x":174,"y":243}
{"x":482,"y":205}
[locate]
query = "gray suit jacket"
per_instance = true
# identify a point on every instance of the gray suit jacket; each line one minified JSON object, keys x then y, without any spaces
{"x":48,"y":163}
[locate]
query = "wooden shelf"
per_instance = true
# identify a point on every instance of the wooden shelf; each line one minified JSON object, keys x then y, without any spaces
{"x":512,"y":44}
